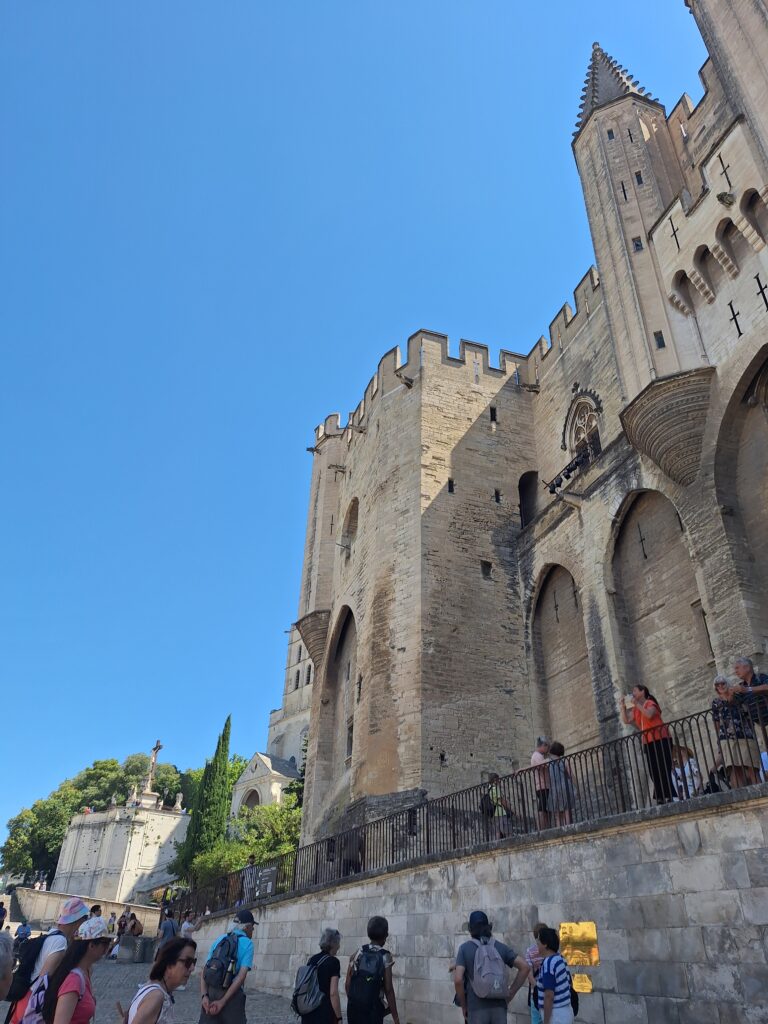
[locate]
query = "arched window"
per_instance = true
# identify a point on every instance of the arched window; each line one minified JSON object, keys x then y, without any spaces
{"x":349,"y":529}
{"x":582,"y":429}
{"x":528,"y":489}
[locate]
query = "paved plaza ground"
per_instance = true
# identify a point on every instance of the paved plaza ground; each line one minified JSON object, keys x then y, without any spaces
{"x":118,"y":982}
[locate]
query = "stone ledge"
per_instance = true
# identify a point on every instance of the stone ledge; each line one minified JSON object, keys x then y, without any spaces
{"x":631,"y":821}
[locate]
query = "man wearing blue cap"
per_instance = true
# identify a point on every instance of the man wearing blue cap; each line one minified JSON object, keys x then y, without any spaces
{"x":223,"y":978}
{"x":480,"y":977}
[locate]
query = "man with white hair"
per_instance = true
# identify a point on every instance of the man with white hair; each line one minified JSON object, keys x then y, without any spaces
{"x":6,"y":964}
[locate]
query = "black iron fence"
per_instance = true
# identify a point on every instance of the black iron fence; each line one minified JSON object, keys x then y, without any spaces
{"x":686,"y":759}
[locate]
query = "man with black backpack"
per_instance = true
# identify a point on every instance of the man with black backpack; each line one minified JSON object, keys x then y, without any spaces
{"x":369,"y":988}
{"x":223,"y":978}
{"x":480,"y":976}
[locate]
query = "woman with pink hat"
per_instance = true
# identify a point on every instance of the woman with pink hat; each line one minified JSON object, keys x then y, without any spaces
{"x":65,"y":996}
{"x":48,"y":951}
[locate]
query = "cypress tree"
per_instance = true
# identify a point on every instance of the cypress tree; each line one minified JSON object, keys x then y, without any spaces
{"x":210,"y":809}
{"x":214,"y":804}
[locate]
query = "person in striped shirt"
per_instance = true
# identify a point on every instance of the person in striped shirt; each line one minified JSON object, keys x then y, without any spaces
{"x":554,"y":981}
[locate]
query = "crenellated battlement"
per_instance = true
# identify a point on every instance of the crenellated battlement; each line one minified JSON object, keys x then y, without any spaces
{"x":568,"y":323}
{"x":426,"y":346}
{"x":423,"y":347}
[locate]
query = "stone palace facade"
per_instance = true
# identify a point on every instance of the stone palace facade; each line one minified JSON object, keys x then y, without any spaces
{"x":499,"y":549}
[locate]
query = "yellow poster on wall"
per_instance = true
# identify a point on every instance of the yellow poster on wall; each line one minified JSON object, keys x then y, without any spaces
{"x":578,"y":943}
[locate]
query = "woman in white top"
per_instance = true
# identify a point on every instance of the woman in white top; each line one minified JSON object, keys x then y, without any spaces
{"x":153,"y":1003}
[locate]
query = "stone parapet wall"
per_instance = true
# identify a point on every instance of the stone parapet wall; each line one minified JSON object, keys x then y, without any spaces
{"x":41,"y":909}
{"x":680,"y":903}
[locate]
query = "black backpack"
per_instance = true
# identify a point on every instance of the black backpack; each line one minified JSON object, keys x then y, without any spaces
{"x":487,"y":806}
{"x":220,"y":969}
{"x":367,"y":980}
{"x":22,"y":976}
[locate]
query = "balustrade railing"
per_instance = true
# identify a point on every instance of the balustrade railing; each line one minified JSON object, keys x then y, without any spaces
{"x":690,"y":758}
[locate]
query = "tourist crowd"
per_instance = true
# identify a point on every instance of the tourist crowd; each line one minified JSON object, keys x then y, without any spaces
{"x":740,"y":717}
{"x":52,"y":981}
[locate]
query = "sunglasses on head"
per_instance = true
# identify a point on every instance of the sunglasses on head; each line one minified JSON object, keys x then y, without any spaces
{"x":188,"y":961}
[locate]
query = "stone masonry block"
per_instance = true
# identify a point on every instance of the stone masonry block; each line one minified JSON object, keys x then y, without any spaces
{"x":663,"y":1011}
{"x":648,"y":879}
{"x":662,"y":911}
{"x":713,"y":908}
{"x":697,"y":874}
{"x":755,"y":903}
{"x":614,"y":944}
{"x":754,"y":982}
{"x":635,"y":978}
{"x":624,"y":1009}
{"x":686,"y":945}
{"x":660,"y":843}
{"x":590,"y":1009}
{"x":721,"y":834}
{"x":698,"y":1012}
{"x":673,"y":981}
{"x":648,"y":944}
{"x":757,"y":866}
{"x":734,"y":945}
{"x":716,"y":982}
{"x":690,"y":837}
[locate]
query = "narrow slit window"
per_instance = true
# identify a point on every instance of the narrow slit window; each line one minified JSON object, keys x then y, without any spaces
{"x":451,"y":485}
{"x":611,"y":135}
{"x":497,"y":496}
{"x":359,"y":688}
{"x":624,"y":191}
{"x":631,"y":136}
{"x":494,"y":415}
{"x":486,"y":568}
{"x":658,"y":337}
{"x":308,"y":678}
{"x":639,"y":177}
{"x":350,"y":739}
{"x":297,"y":680}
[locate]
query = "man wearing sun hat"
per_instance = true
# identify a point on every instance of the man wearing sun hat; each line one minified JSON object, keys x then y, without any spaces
{"x":72,"y":915}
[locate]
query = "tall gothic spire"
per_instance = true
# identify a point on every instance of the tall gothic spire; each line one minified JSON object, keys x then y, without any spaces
{"x":606,"y":81}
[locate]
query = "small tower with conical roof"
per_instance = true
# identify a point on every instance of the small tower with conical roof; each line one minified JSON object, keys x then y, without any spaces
{"x":630,"y":174}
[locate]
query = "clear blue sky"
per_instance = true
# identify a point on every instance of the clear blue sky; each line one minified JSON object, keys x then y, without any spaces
{"x":214,"y":219}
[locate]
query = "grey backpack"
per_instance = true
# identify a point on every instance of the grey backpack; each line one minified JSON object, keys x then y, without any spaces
{"x":306,"y":993}
{"x":489,"y":977}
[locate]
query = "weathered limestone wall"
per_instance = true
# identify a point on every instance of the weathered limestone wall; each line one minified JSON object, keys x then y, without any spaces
{"x":112,"y":854}
{"x":477,"y":440}
{"x":680,"y":903}
{"x":42,"y":909}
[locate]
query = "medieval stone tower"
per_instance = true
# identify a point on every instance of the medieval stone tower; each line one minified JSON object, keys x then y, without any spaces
{"x":494,"y":551}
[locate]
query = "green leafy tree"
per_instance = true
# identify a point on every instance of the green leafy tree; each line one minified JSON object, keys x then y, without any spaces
{"x":36,"y":834}
{"x":267,"y":831}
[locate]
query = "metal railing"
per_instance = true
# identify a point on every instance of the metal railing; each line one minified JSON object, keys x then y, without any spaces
{"x":691,"y":757}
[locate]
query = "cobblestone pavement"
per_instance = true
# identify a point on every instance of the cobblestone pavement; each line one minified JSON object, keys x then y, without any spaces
{"x":114,"y":983}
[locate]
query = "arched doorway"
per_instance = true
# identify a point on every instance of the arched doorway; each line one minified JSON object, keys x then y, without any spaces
{"x":661,"y":620}
{"x":741,"y":477}
{"x":252,"y":799}
{"x":563,"y":694}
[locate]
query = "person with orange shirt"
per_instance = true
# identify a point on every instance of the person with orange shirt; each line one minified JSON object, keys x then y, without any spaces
{"x":657,"y":746}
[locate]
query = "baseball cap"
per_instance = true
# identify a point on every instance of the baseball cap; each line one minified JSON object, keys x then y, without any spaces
{"x":72,"y":911}
{"x":478,"y":919}
{"x":93,"y":928}
{"x":245,"y":917}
